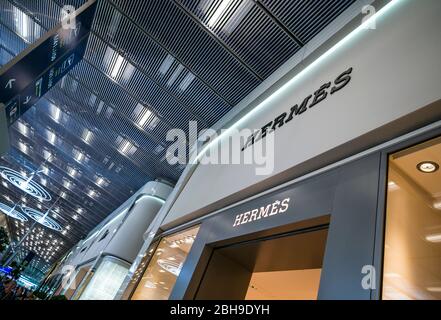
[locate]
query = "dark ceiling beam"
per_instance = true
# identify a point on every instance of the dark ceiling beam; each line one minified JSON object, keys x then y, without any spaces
{"x":279,"y":23}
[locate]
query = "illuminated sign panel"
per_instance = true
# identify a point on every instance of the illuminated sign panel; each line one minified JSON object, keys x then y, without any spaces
{"x":25,"y":79}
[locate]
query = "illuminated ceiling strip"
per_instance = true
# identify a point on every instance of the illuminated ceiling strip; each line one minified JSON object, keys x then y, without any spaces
{"x":268,"y":101}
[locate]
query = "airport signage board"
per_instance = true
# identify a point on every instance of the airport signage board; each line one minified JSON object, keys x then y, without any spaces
{"x":26,"y":78}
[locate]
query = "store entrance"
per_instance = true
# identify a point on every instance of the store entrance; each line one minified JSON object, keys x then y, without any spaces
{"x":284,"y":268}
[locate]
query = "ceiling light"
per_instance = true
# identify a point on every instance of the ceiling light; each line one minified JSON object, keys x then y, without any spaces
{"x":427,"y":166}
{"x":218,"y":13}
{"x":175,"y":75}
{"x":99,"y":181}
{"x":80,"y":156}
{"x":87,"y":135}
{"x":437,"y":205}
{"x":187,"y":81}
{"x":57,"y":114}
{"x":392,"y":186}
{"x":23,"y":147}
{"x":67,"y":184}
{"x":52,"y":137}
{"x":21,"y":23}
{"x":435,"y":238}
{"x":92,"y":193}
{"x":117,"y":66}
{"x":23,"y":128}
{"x":144,"y":118}
{"x":166,"y":64}
{"x":72,"y":171}
{"x":125,"y":146}
{"x":45,"y":170}
{"x":42,"y":218}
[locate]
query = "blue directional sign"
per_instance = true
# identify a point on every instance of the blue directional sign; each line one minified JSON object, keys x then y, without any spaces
{"x":25,"y":79}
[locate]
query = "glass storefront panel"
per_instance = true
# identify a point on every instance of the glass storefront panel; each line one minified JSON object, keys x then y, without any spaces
{"x":165,"y":266}
{"x":412,"y":256}
{"x":106,"y":281}
{"x":138,"y":274}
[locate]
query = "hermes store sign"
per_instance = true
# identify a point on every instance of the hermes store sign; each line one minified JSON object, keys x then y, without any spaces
{"x":272,"y":209}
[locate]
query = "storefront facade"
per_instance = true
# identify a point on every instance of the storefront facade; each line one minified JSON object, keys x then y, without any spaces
{"x":343,"y":126}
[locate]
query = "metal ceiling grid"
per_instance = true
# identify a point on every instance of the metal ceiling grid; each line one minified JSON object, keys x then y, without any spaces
{"x":150,"y":66}
{"x":305,"y":19}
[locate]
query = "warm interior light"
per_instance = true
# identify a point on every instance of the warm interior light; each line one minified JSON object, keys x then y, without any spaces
{"x":428,"y":166}
{"x":437,"y":205}
{"x":392,"y":186}
{"x":434,"y":237}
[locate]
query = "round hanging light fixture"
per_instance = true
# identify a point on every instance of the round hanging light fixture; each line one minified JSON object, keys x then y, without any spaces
{"x":42,"y":219}
{"x":25,"y":184}
{"x":11,"y":212}
{"x":428,"y":166}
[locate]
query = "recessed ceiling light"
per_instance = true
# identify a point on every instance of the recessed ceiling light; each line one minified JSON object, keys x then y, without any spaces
{"x":427,"y":166}
{"x":219,"y":12}
{"x":117,"y":66}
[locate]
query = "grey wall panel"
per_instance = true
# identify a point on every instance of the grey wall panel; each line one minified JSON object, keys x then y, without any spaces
{"x":351,"y":237}
{"x":345,"y":199}
{"x":229,"y":278}
{"x":128,"y":240}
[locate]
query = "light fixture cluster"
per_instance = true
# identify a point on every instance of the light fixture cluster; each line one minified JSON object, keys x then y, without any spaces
{"x":38,"y":241}
{"x":11,"y":212}
{"x":185,"y":240}
{"x":42,"y":219}
{"x":24,"y":183}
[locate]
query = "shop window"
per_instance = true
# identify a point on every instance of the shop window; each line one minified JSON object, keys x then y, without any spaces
{"x":106,"y":280}
{"x":284,"y":267}
{"x":412,"y":254}
{"x":165,"y":266}
{"x":138,"y":274}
